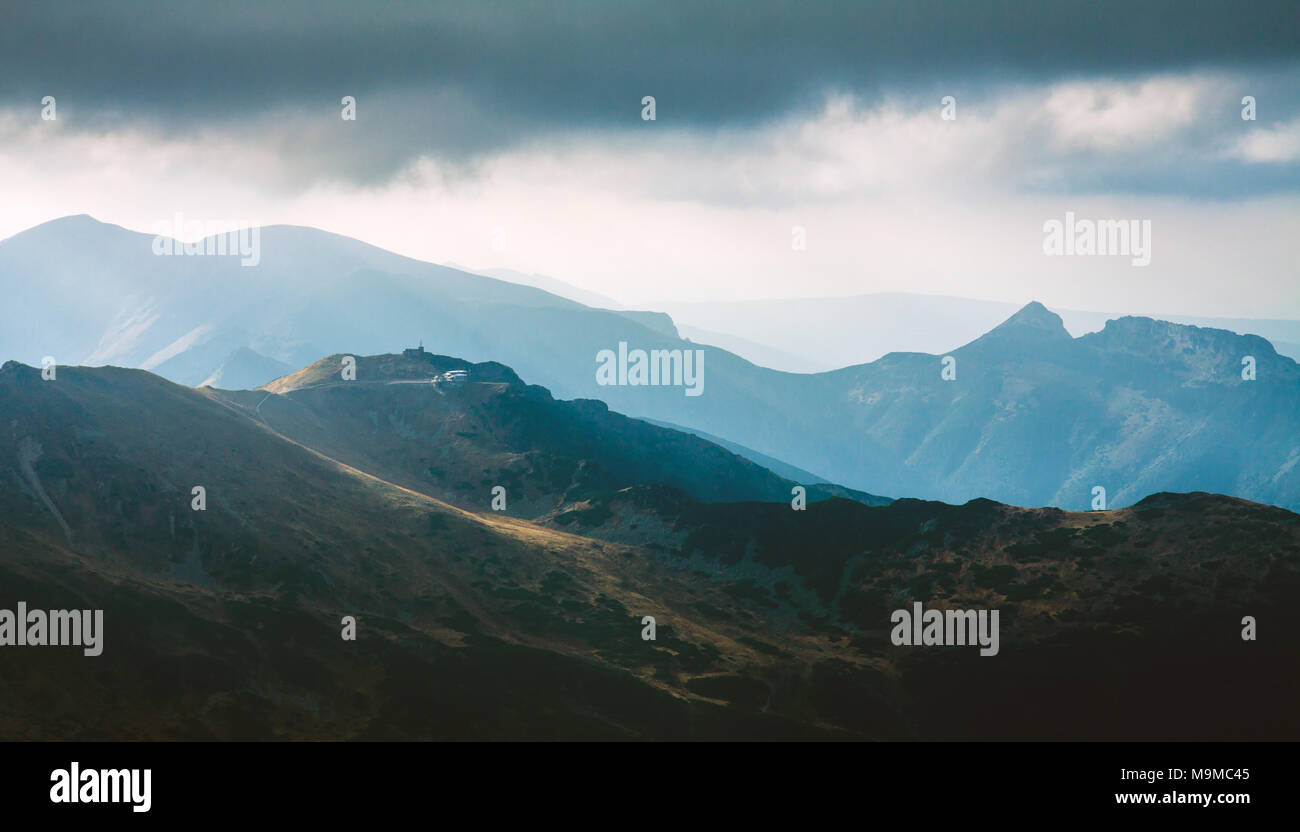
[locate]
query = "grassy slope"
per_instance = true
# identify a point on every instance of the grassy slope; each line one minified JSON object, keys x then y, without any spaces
{"x":458,"y":443}
{"x":471,"y":624}
{"x":225,"y":622}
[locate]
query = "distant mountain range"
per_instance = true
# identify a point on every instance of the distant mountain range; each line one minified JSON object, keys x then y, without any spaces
{"x":813,"y":335}
{"x":771,"y":622}
{"x":1031,"y":417}
{"x":809,"y":335}
{"x":1036,"y":417}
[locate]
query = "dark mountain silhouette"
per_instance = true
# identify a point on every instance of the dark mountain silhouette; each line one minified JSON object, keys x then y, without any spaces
{"x":458,"y":441}
{"x":772,"y":622}
{"x":226,"y":622}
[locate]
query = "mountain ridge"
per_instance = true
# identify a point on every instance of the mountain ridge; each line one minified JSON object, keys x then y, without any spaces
{"x":1030,"y":417}
{"x":558,"y":451}
{"x":224,"y":623}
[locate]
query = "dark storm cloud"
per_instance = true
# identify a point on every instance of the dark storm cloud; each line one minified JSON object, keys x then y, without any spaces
{"x":462,"y":78}
{"x":563,"y":61}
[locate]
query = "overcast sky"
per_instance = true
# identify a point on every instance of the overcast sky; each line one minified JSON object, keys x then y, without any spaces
{"x":520,"y":124}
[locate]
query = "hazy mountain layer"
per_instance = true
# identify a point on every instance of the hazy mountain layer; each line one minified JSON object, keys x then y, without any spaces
{"x":1032,"y":416}
{"x":819,"y":334}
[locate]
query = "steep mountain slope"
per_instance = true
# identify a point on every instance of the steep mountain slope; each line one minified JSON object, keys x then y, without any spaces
{"x":226,"y":622}
{"x":1035,"y":417}
{"x":772,"y":464}
{"x":772,"y":622}
{"x":459,"y":442}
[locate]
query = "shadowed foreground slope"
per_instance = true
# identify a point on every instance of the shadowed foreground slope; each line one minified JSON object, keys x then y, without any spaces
{"x":771,"y":622}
